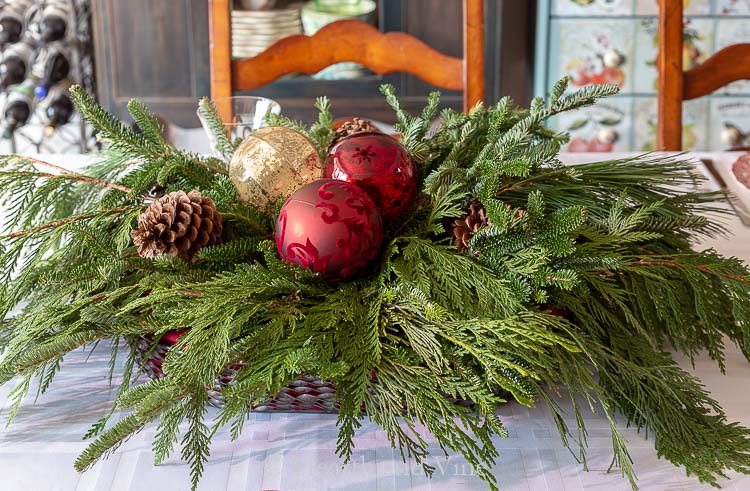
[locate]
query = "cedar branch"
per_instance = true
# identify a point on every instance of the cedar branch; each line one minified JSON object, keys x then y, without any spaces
{"x":702,"y":268}
{"x":65,"y":221}
{"x":74,"y":175}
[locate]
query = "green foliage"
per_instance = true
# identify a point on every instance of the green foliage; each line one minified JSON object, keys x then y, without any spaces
{"x":607,"y":242}
{"x":207,"y":111}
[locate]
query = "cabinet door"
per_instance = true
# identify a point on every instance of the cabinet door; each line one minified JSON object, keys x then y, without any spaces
{"x":732,"y":7}
{"x":692,"y":7}
{"x":592,"y":7}
{"x":698,"y":36}
{"x":605,"y":127}
{"x":694,"y":124}
{"x":155,"y":51}
{"x":732,"y":31}
{"x":726,"y":113}
{"x":592,"y":51}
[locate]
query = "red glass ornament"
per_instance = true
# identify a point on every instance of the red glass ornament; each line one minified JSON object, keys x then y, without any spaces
{"x":380,"y":165}
{"x":330,"y":227}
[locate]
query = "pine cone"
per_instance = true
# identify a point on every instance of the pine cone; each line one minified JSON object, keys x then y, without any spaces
{"x":354,"y":125}
{"x":178,"y":224}
{"x":465,"y":227}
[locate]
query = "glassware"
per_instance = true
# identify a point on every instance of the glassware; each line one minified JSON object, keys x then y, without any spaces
{"x":249,"y":114}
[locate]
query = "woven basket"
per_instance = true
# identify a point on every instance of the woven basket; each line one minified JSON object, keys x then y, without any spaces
{"x":306,"y":393}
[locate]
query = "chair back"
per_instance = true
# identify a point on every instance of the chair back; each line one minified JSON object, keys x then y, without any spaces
{"x":352,"y":41}
{"x":676,"y":85}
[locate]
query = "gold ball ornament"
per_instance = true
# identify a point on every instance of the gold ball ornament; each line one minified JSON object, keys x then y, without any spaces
{"x":271,"y":164}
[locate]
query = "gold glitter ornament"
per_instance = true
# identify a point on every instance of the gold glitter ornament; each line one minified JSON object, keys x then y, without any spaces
{"x":272,"y":163}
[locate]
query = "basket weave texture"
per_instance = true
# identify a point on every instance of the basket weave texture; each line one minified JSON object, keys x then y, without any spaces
{"x":306,"y":393}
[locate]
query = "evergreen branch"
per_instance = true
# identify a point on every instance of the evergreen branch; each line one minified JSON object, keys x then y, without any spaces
{"x":428,"y":325}
{"x":207,"y":110}
{"x":124,"y":138}
{"x":654,"y":261}
{"x":150,"y":127}
{"x":70,"y":174}
{"x":66,"y":221}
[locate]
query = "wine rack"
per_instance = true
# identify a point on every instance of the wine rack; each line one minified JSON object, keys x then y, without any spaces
{"x":47,"y":46}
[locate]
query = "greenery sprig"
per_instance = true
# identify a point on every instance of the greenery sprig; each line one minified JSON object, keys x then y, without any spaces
{"x":607,"y":244}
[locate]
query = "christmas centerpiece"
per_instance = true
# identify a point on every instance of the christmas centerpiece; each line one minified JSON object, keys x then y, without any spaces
{"x":420,"y":281}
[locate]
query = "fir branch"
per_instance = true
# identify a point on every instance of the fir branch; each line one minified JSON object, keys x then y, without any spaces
{"x":433,"y":324}
{"x":207,"y":110}
{"x":151,"y":129}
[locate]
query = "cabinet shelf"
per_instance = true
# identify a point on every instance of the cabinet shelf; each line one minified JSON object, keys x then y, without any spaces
{"x":163,"y":58}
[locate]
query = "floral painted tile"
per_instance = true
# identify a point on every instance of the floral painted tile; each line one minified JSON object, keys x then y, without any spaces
{"x":593,"y":51}
{"x":730,"y":123}
{"x":692,"y":7}
{"x":728,"y":32}
{"x":732,"y":7}
{"x":698,"y":45}
{"x":694,"y":124}
{"x":592,"y":7}
{"x":605,"y":127}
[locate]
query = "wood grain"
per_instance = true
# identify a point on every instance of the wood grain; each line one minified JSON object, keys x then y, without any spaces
{"x":220,"y":46}
{"x":348,"y":41}
{"x":724,"y":67}
{"x":669,"y":63}
{"x":675,"y":85}
{"x":354,"y":41}
{"x":161,"y":58}
{"x":473,"y":69}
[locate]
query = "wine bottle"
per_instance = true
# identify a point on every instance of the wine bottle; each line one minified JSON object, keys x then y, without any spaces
{"x":52,"y":68}
{"x":19,"y":105}
{"x":58,"y":108}
{"x":54,"y":21}
{"x":15,"y":63}
{"x":12,"y":19}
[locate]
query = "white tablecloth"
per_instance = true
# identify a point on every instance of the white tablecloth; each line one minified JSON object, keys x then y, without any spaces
{"x":296,"y":452}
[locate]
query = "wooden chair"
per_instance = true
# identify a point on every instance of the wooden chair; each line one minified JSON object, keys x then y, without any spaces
{"x":347,"y":40}
{"x":676,"y":85}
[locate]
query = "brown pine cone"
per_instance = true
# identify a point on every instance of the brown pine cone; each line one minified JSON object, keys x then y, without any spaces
{"x":179,"y":224}
{"x":353,"y":126}
{"x":466,"y":226}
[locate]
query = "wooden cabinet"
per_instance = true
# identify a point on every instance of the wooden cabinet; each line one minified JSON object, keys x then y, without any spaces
{"x":158,"y":52}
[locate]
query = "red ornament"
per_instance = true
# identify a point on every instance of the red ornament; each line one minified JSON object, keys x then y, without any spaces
{"x":380,"y":165}
{"x":330,"y":227}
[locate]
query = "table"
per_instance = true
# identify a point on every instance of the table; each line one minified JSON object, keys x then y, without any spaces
{"x":296,"y":452}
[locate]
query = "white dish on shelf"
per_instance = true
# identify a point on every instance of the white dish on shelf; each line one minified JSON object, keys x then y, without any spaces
{"x":256,"y":5}
{"x":254,"y":31}
{"x":256,"y":39}
{"x":267,"y":22}
{"x":266,"y":15}
{"x":267,"y":28}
